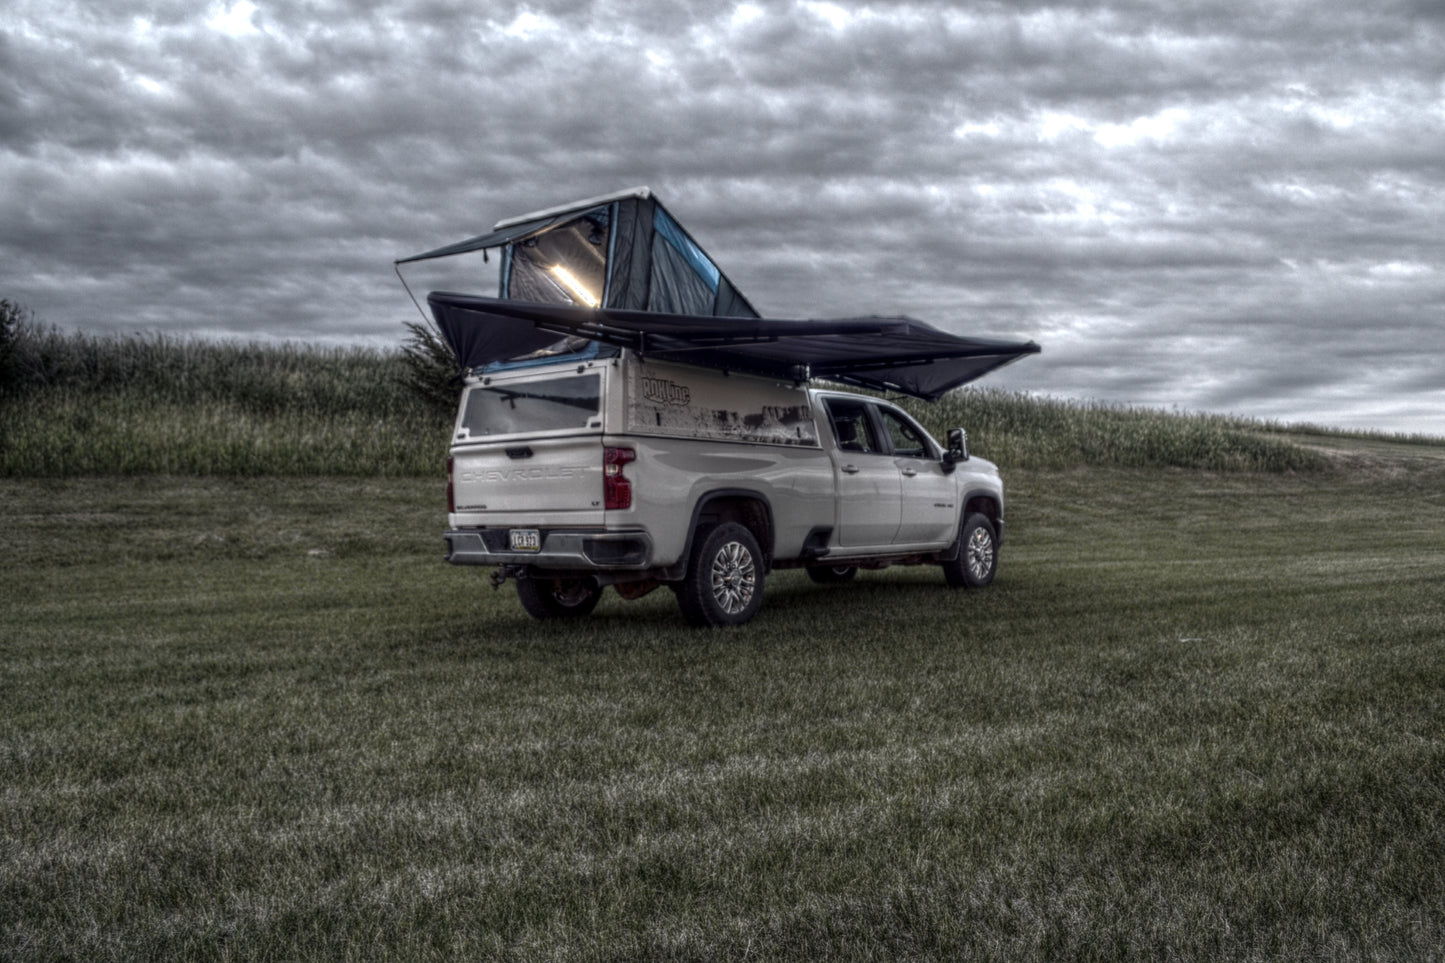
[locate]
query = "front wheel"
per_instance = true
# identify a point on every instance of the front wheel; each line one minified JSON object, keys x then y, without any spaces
{"x":724,"y":583}
{"x":557,"y":598}
{"x":977,"y":554}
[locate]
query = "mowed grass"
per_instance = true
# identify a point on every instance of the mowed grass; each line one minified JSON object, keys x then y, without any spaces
{"x":1198,"y":716}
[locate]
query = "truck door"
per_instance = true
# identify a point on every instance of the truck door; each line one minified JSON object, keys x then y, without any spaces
{"x":928,"y":496}
{"x":868,"y":482}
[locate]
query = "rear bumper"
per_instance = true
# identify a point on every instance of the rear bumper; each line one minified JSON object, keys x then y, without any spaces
{"x":561,"y":549}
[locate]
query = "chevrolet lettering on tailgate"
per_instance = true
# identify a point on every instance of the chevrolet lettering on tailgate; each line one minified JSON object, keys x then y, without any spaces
{"x":526,"y":474}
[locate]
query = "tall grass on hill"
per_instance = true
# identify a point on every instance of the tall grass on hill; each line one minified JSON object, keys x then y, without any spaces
{"x":148,"y":404}
{"x":1022,"y":431}
{"x":143,"y":404}
{"x":1311,"y":430}
{"x":259,"y":378}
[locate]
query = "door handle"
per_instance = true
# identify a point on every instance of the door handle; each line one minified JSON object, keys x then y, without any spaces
{"x":909,"y":472}
{"x":850,"y":469}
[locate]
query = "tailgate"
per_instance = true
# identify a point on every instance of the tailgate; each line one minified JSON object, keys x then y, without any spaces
{"x":545,"y":475}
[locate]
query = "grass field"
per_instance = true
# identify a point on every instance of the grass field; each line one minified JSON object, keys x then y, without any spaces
{"x":1199,"y":715}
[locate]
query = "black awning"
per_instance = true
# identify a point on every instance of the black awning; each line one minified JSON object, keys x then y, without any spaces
{"x":886,"y":354}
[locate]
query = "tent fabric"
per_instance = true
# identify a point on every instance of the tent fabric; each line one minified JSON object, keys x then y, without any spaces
{"x":507,"y":235}
{"x":670,"y":231}
{"x":629,"y":261}
{"x":885,"y":354}
{"x":675,"y":286}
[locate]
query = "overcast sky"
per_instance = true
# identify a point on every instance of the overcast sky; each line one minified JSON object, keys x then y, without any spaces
{"x":1229,"y":206}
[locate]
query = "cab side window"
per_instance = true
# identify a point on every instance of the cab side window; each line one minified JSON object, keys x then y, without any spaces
{"x":907,"y":440}
{"x":852,"y":427}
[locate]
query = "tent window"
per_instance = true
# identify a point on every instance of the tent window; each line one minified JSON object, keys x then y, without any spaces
{"x":566,"y":265}
{"x":683,"y":280}
{"x":675,"y":288}
{"x":701,"y":264}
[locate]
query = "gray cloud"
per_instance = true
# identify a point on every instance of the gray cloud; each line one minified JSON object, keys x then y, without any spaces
{"x":1222,"y":206}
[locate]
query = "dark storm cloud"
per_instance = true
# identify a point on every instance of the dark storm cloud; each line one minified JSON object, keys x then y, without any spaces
{"x":1225,"y":206}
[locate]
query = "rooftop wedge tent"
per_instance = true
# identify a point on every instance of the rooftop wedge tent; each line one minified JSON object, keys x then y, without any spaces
{"x":619,"y":272}
{"x":620,"y":250}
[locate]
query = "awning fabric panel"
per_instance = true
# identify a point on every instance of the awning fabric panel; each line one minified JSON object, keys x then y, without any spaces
{"x":494,"y":239}
{"x":887,"y":354}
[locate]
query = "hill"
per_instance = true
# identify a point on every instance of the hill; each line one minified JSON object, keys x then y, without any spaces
{"x":85,"y":405}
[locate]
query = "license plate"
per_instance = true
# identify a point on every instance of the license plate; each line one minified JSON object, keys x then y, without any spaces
{"x":526,"y":540}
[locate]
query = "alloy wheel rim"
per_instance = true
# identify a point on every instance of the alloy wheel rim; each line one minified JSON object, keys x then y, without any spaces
{"x":980,"y":554}
{"x":734,"y":578}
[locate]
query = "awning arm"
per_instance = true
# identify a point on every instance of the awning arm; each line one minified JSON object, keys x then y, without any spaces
{"x":825,"y":368}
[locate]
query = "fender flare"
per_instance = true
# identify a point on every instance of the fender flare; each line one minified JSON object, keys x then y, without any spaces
{"x":678,"y":569}
{"x":951,"y":553}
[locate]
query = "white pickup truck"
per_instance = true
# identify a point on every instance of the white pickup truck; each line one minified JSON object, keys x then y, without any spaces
{"x":635,"y":474}
{"x":629,"y":419}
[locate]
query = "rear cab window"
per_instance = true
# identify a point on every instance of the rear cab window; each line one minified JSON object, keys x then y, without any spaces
{"x":852,"y":427}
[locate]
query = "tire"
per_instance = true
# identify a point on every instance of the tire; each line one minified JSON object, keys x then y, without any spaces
{"x":977,"y":559}
{"x":557,"y":598}
{"x":724,"y":582}
{"x":831,"y":574}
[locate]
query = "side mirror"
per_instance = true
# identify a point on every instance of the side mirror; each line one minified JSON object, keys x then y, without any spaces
{"x":957,"y":447}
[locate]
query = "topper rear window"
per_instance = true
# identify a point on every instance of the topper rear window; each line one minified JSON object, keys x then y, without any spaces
{"x":527,"y":407}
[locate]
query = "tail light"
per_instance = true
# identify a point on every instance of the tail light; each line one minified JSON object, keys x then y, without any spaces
{"x":616,"y":488}
{"x":451,"y":489}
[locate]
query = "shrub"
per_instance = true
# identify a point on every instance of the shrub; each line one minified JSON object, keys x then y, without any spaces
{"x":430,"y":369}
{"x":15,"y":322}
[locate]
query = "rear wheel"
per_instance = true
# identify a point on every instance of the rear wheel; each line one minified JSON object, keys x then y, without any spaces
{"x":977,"y":554}
{"x":557,"y":598}
{"x":724,"y":583}
{"x":832,"y":574}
